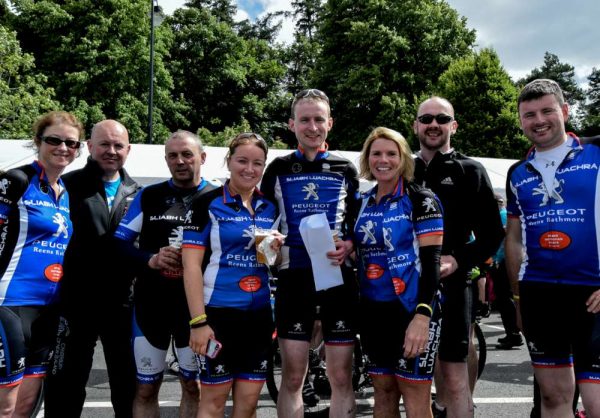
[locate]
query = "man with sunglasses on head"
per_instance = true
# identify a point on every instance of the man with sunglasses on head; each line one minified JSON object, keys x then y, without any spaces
{"x":306,"y":182}
{"x":472,"y":233}
{"x":95,"y":290}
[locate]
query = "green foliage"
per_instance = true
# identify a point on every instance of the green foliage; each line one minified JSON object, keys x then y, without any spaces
{"x":24,"y":95}
{"x":378,"y":54}
{"x":485,"y":105}
{"x":96,"y":56}
{"x":591,"y":109}
{"x":562,"y":73}
{"x":223,"y":78}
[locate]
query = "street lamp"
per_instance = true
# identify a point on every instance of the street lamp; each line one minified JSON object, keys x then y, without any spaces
{"x":156,"y":18}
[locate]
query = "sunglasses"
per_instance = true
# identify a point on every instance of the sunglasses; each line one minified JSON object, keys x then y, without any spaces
{"x":245,"y":135}
{"x":56,"y":141}
{"x":303,"y":94}
{"x":440,"y":118}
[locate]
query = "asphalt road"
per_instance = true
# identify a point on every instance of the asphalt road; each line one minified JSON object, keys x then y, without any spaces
{"x":504,"y":389}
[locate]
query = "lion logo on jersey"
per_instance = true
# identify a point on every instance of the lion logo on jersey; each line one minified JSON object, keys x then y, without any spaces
{"x":428,"y":204}
{"x":63,"y":229}
{"x":368,"y":230}
{"x":387,"y":238}
{"x":249,"y":233}
{"x":311,"y":191}
{"x":4,"y":183}
{"x":554,"y":194}
{"x":188,"y":217}
{"x":176,"y":237}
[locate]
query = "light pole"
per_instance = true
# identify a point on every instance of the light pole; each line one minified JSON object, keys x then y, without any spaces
{"x":155,"y":20}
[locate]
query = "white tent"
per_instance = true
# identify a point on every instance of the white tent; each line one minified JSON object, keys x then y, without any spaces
{"x":146,"y":162}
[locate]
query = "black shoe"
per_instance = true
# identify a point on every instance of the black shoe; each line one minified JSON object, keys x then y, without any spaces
{"x":309,"y":397}
{"x":437,"y":411}
{"x":510,"y":341}
{"x":483,"y":310}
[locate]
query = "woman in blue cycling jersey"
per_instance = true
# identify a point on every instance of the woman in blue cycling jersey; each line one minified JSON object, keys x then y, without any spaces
{"x":227,"y":289}
{"x":34,"y":232}
{"x":398,"y":237}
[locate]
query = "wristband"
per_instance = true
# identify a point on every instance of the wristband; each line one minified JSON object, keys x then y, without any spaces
{"x":516,"y":298}
{"x":197,"y":319}
{"x":199,"y":324}
{"x":424,"y":309}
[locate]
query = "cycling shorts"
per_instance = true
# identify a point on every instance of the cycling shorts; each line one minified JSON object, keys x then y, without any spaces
{"x":298,"y":305}
{"x":559,"y":330}
{"x":26,"y":335}
{"x":457,"y":317}
{"x":161,"y":313}
{"x":382,"y":328}
{"x":246,"y":338}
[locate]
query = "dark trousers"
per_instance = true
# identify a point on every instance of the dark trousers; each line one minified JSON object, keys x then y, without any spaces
{"x":78,"y":331}
{"x":504,"y":298}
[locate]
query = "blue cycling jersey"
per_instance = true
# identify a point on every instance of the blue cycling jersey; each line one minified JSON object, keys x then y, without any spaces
{"x":386,"y":237}
{"x":560,"y":227}
{"x":302,"y":188}
{"x":219,"y":223}
{"x":34,"y":232}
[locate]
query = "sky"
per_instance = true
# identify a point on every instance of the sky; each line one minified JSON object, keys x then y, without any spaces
{"x":520,"y":31}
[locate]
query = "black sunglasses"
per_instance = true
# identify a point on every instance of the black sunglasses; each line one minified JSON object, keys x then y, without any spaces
{"x":440,"y":118}
{"x":311,"y":93}
{"x":56,"y":141}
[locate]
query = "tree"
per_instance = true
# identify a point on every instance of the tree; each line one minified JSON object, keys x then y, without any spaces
{"x":301,"y":56}
{"x":591,"y":108}
{"x":378,"y":55}
{"x":24,"y":95}
{"x":562,"y":73}
{"x":223,"y":10}
{"x":96,"y":57}
{"x":485,"y":104}
{"x":223,"y":78}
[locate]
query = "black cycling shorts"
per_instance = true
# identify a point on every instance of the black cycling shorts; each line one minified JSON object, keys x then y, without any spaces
{"x":382,"y":328}
{"x":559,"y":330}
{"x":457,"y":316}
{"x":26,"y":335}
{"x":246,"y":338}
{"x":298,"y":305}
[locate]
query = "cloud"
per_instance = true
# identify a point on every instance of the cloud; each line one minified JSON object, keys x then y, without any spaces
{"x":520,"y":31}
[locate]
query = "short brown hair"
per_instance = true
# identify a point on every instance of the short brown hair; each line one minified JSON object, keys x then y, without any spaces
{"x":246,"y":138}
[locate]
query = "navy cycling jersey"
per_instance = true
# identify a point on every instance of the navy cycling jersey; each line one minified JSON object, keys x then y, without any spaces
{"x":156,"y":216}
{"x":34,"y":232}
{"x":386,"y":238}
{"x":302,"y":188}
{"x":220,"y":224}
{"x":560,"y":227}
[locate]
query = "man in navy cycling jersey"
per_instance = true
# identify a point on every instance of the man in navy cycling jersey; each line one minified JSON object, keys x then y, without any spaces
{"x":553,"y":251}
{"x":156,"y":217}
{"x":307,"y":182}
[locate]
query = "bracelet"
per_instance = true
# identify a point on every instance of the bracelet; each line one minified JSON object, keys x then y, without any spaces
{"x":199,"y":324}
{"x":516,"y":298}
{"x":197,"y":319}
{"x":427,"y":307}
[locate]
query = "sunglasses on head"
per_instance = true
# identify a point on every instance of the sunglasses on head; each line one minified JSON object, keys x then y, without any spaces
{"x":440,"y":118}
{"x":56,"y":141}
{"x":245,"y":135}
{"x":311,"y":93}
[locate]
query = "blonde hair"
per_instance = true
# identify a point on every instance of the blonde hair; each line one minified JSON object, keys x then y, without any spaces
{"x":407,"y":164}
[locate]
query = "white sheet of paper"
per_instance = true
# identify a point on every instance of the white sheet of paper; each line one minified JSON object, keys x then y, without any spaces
{"x":317,"y":238}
